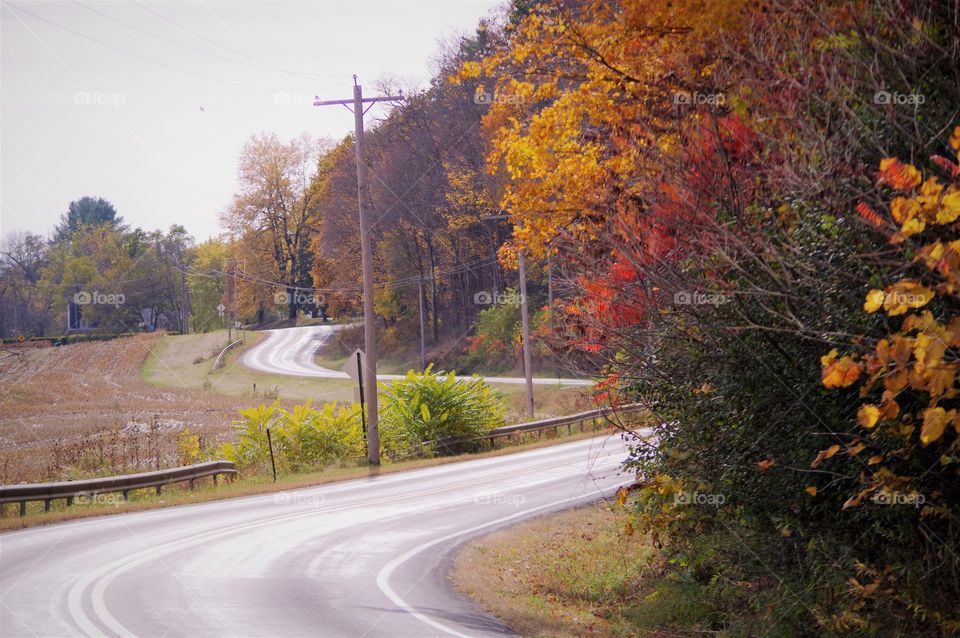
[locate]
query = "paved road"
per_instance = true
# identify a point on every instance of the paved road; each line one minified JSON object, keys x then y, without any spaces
{"x":361,"y":558}
{"x":291,"y":351}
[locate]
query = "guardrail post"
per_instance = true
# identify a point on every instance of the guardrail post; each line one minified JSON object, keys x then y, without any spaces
{"x":23,"y":508}
{"x":46,"y":505}
{"x":69,"y":501}
{"x":159,"y":489}
{"x":126,"y":494}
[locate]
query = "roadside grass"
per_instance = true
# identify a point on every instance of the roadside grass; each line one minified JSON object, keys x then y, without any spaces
{"x":580,"y":573}
{"x":179,"y":494}
{"x":565,"y":575}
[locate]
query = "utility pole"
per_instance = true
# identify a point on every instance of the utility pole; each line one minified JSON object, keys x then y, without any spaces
{"x":423,"y":357}
{"x":525,"y":324}
{"x":549,"y":280}
{"x":524,"y":316}
{"x":229,"y":297}
{"x":366,"y":257}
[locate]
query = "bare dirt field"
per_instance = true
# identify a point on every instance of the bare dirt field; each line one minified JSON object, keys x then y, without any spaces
{"x":84,"y":409}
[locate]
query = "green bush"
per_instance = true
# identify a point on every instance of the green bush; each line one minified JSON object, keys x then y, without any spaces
{"x":424,"y":408}
{"x":304,"y":438}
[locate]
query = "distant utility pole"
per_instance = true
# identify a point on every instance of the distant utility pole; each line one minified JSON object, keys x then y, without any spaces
{"x":524,"y":317}
{"x":423,"y":356}
{"x":229,"y":302}
{"x":366,"y":256}
{"x":525,"y":324}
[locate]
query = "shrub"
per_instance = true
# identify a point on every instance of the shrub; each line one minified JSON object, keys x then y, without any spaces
{"x":303,"y":439}
{"x":425,"y":408}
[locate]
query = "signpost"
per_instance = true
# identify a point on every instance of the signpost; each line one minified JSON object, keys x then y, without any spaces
{"x":354,"y":367}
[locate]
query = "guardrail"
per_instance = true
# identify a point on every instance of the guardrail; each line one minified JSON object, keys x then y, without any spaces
{"x":70,"y":490}
{"x":580,"y":419}
{"x":219,"y":361}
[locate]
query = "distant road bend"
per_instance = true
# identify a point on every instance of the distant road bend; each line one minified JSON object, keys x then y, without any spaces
{"x":291,"y":351}
{"x":360,"y":558}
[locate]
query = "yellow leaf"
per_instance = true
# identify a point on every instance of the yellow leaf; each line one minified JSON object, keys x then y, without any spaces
{"x":832,"y":450}
{"x":934,"y":423}
{"x":874,"y":300}
{"x":621,"y":496}
{"x":904,"y":295}
{"x":912,"y":227}
{"x":828,"y":358}
{"x":868,"y":415}
{"x":903,"y":209}
{"x":766,"y":465}
{"x":841,"y":373}
{"x":811,"y":490}
{"x":955,"y":139}
{"x":873,"y":460}
{"x":856,"y":449}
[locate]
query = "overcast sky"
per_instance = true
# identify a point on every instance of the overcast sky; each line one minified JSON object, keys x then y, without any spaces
{"x":148,"y":104}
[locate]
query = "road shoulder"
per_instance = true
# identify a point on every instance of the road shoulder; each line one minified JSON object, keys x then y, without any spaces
{"x":565,"y":575}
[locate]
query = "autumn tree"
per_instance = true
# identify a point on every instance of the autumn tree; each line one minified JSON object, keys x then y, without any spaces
{"x":270,"y":213}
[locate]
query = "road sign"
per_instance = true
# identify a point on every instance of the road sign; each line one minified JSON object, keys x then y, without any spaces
{"x":354,"y":368}
{"x":351,"y":367}
{"x":220,"y":310}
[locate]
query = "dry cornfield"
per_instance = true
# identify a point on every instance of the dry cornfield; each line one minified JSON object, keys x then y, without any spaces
{"x":84,"y":409}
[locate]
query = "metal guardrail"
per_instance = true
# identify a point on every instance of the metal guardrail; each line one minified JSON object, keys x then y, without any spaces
{"x":69,"y":490}
{"x":580,"y":419}
{"x":219,"y":361}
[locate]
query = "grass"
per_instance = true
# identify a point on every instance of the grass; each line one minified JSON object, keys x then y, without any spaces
{"x":146,"y":499}
{"x":566,"y":575}
{"x":583,"y":572}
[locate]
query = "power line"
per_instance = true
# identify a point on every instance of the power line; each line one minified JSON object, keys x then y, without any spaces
{"x":226,"y":48}
{"x":259,"y":66}
{"x":133,"y":53}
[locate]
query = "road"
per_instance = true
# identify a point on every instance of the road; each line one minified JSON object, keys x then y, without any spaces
{"x":359,"y":558}
{"x":291,"y":351}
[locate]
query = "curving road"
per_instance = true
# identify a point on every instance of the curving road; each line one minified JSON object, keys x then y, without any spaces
{"x":359,"y":558}
{"x":291,"y":351}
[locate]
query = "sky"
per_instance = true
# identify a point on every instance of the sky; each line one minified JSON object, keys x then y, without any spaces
{"x":148,"y":104}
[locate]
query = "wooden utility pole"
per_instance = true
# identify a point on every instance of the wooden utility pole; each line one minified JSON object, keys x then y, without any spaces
{"x":524,"y":316}
{"x":423,"y":356}
{"x":366,"y":258}
{"x":525,"y":324}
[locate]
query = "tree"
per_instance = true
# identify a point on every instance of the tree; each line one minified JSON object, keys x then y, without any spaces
{"x":271,"y":212}
{"x":86,"y":211}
